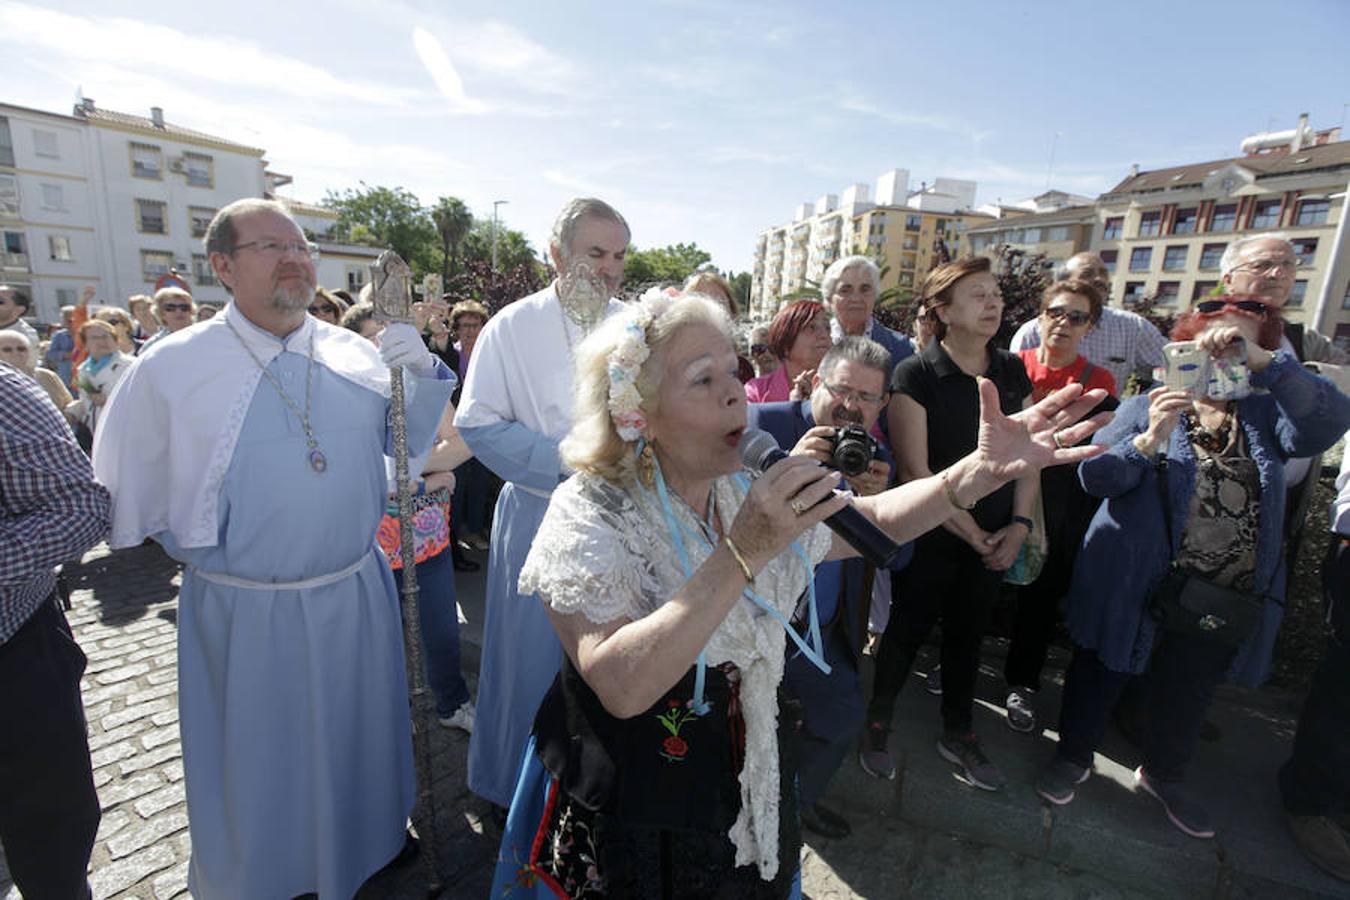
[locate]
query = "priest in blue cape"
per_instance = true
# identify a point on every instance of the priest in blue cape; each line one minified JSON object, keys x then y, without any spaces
{"x":251,"y":446}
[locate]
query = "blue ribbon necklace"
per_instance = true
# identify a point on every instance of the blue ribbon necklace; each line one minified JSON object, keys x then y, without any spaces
{"x":813,"y":651}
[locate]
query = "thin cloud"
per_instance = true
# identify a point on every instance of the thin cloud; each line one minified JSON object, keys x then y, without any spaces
{"x":107,"y":39}
{"x":442,"y":71}
{"x":857,"y":103}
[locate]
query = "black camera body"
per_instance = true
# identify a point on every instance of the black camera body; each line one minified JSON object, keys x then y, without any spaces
{"x":852,"y":449}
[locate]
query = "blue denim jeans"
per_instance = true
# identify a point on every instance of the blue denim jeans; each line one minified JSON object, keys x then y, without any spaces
{"x":440,"y":631}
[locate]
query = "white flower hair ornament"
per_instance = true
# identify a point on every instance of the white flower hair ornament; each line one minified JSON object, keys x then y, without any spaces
{"x":626,"y":359}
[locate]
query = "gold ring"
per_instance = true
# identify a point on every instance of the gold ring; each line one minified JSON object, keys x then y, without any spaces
{"x":1058,"y":442}
{"x":798,"y":506}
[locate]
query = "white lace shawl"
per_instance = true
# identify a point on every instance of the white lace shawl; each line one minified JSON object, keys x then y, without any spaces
{"x":604,"y":551}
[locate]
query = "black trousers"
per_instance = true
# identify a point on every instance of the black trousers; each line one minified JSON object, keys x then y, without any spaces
{"x":1068,"y":510}
{"x":1182,"y":676}
{"x":1316,"y":779}
{"x":49,"y":812}
{"x":946,"y":581}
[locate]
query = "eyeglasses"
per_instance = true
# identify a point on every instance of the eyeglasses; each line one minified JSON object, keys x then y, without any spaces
{"x":1267,"y":265}
{"x":757,"y":349}
{"x":1253,"y":308}
{"x":281,"y":248}
{"x":176,"y":307}
{"x":322,"y":309}
{"x":839,"y":392}
{"x":1075,"y":316}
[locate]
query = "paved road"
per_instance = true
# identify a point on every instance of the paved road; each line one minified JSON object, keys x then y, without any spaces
{"x":125,"y":618}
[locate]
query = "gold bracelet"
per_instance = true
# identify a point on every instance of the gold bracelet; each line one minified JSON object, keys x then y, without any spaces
{"x":740,"y":560}
{"x":951,"y":494}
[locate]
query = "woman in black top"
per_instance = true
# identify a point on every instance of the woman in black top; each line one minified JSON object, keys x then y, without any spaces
{"x":957,"y":569}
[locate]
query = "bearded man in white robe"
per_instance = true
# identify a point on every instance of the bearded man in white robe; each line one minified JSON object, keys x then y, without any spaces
{"x":515,"y":408}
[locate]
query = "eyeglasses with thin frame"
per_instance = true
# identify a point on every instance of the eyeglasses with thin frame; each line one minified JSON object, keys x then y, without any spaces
{"x":281,"y":248}
{"x":1254,"y":308}
{"x":177,"y":307}
{"x":1266,"y":265}
{"x":845,"y":394}
{"x":1075,"y":316}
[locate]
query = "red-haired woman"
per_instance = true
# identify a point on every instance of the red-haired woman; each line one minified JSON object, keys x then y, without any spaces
{"x":799,"y":336}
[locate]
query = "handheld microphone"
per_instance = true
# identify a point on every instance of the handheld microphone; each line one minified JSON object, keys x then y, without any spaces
{"x":759,"y":451}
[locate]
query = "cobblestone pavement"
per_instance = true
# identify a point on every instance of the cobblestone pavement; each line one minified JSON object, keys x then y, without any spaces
{"x":124,"y":616}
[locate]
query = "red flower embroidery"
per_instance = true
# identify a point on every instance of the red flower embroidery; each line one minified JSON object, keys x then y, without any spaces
{"x":674,"y":748}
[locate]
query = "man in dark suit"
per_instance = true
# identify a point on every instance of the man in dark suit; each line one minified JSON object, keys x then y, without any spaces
{"x":849,"y":388}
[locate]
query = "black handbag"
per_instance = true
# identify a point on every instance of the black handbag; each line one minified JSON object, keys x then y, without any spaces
{"x":1189,"y":604}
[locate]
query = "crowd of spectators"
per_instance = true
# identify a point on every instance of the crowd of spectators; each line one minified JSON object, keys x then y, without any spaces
{"x":1212,"y":487}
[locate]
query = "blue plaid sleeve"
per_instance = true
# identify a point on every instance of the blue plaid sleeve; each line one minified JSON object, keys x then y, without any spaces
{"x":51,"y":509}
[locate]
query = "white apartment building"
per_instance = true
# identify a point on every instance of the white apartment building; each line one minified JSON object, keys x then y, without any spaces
{"x":117,"y":200}
{"x":48,"y":208}
{"x":791,"y":255}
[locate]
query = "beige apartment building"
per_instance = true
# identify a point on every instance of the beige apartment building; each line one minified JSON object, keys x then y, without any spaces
{"x":1055,"y":224}
{"x":905,"y":241}
{"x":897,"y":227}
{"x":1162,"y":233}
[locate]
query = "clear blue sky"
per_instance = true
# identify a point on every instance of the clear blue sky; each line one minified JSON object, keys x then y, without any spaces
{"x":702,"y":120}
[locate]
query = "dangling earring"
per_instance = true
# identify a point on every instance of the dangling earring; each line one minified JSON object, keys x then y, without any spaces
{"x":646,"y":463}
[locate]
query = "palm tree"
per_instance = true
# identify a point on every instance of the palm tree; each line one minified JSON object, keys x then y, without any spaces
{"x":453,"y":221}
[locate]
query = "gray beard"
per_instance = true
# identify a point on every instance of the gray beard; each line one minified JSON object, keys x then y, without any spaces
{"x":287,"y":300}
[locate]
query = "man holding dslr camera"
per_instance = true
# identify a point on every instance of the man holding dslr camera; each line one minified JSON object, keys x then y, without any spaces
{"x":834,"y":426}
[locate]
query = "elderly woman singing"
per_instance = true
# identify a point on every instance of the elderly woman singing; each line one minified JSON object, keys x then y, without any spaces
{"x":657,"y":765}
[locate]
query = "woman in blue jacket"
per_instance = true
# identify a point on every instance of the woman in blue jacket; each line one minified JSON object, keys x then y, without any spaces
{"x":1225,"y":483}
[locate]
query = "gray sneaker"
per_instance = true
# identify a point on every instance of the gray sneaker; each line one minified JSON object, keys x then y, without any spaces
{"x":964,"y":750}
{"x":1182,"y":809}
{"x":1056,"y":782}
{"x":874,"y":758}
{"x":1021,"y":710}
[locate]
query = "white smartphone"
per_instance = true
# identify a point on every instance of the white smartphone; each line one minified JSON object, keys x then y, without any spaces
{"x":1186,"y":367}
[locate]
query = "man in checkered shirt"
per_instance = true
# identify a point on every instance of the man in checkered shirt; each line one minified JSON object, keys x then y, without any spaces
{"x":1122,"y":342}
{"x":51,"y":511}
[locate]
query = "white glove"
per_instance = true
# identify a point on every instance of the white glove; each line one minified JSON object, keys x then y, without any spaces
{"x":401,"y":345}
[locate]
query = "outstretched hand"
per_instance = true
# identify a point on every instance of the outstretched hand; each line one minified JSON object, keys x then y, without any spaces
{"x":1039,"y":436}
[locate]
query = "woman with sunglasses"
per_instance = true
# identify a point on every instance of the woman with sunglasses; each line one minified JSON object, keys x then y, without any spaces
{"x":327,"y":307}
{"x":1069,"y":310}
{"x":1219,"y":462}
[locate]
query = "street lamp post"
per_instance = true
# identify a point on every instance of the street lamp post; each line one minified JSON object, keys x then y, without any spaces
{"x":495,"y":204}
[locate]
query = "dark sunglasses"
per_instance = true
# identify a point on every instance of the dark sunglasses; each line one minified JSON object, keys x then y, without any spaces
{"x":1254,"y":308}
{"x":176,"y":307}
{"x":1075,"y":316}
{"x":320,"y":309}
{"x":759,"y":348}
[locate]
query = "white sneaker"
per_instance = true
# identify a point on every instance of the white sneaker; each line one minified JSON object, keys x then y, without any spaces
{"x":462,"y":719}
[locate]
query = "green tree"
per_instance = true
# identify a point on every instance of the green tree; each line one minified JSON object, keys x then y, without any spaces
{"x":453,"y":221}
{"x":393,"y":217}
{"x":740,"y":289}
{"x":513,"y":248}
{"x":671,"y":264}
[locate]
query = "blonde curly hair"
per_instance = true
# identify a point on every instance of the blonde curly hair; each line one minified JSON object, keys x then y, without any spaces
{"x":593,"y":445}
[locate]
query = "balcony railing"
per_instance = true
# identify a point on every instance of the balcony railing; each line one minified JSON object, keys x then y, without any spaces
{"x":15,"y":261}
